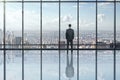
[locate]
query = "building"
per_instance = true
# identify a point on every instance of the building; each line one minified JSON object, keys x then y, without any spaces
{"x":62,"y":44}
{"x":18,"y":41}
{"x":112,"y":45}
{"x":102,"y":45}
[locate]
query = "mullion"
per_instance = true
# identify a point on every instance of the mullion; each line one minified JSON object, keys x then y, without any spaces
{"x":59,"y":40}
{"x":96,"y":68}
{"x":114,"y":40}
{"x":46,"y":44}
{"x":41,"y":35}
{"x":55,"y":49}
{"x":78,"y":40}
{"x":22,"y":39}
{"x":4,"y":27}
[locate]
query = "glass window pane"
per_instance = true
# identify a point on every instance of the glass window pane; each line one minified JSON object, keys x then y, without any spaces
{"x":50,"y":19}
{"x":1,"y":65}
{"x":105,"y":25}
{"x":68,"y":16}
{"x":50,"y":65}
{"x":117,"y":65}
{"x":87,"y":65}
{"x":32,"y":65}
{"x":87,"y":25}
{"x":105,"y":65}
{"x":1,"y":24}
{"x":13,"y":25}
{"x":118,"y":25}
{"x":31,"y":24}
{"x":13,"y":65}
{"x":68,"y":65}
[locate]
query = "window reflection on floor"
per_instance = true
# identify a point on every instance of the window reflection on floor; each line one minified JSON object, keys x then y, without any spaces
{"x":32,"y":65}
{"x":50,"y":65}
{"x":117,"y":65}
{"x":1,"y":65}
{"x":13,"y":65}
{"x":87,"y":65}
{"x":105,"y":65}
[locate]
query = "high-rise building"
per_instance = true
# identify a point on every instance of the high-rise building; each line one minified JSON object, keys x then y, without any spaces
{"x":18,"y":41}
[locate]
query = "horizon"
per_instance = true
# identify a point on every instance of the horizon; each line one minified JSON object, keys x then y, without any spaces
{"x":62,"y":30}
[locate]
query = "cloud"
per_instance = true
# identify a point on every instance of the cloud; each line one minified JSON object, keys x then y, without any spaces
{"x":80,"y":5}
{"x":32,"y":20}
{"x":87,"y":24}
{"x":75,"y":6}
{"x":105,"y":5}
{"x":54,"y":22}
{"x":67,"y":18}
{"x":100,"y":18}
{"x":1,"y":17}
{"x":14,"y":19}
{"x":100,"y":76}
{"x":46,"y":5}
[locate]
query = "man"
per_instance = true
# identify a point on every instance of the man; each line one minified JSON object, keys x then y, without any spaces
{"x":69,"y":37}
{"x":69,"y":68}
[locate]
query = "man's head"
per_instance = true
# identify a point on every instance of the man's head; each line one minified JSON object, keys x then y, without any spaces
{"x":69,"y":25}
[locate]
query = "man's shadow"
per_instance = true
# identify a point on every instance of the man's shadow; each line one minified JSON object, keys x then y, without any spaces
{"x":69,"y":68}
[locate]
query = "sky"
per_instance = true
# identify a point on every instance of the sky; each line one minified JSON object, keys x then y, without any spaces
{"x":50,"y":16}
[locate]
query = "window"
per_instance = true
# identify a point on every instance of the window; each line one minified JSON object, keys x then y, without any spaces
{"x":33,"y":44}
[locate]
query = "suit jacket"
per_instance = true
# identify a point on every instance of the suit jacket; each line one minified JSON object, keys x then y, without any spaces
{"x":69,"y":34}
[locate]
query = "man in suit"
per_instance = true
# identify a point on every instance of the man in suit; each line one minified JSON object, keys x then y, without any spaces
{"x":69,"y":37}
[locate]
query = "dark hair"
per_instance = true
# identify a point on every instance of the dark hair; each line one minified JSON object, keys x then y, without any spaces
{"x":69,"y":25}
